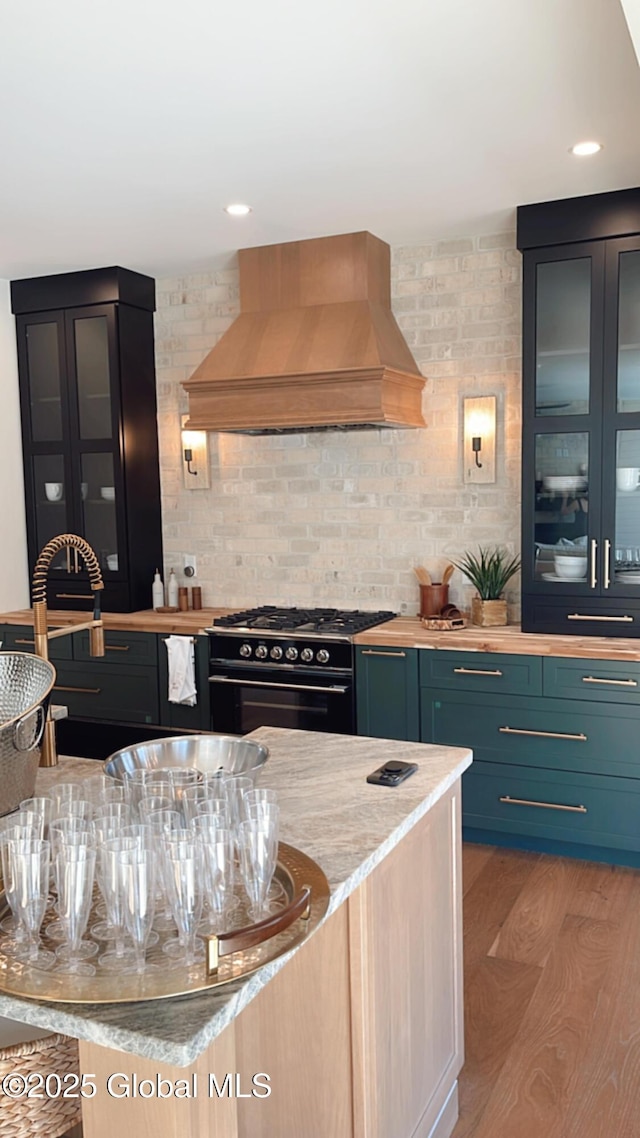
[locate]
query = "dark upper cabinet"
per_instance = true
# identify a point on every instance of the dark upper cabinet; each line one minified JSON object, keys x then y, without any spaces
{"x":89,"y":429}
{"x":581,"y":417}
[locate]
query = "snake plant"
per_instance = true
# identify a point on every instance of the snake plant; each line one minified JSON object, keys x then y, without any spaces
{"x":490,"y":571}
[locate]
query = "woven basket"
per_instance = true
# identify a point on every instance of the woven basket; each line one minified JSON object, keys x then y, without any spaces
{"x":39,"y":1117}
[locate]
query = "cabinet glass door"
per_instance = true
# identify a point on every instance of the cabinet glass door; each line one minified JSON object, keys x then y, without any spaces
{"x":91,"y":355}
{"x":42,"y":346}
{"x":628,"y":361}
{"x":624,"y":543}
{"x":98,"y":496}
{"x":563,"y":337}
{"x":561,"y":508}
{"x":52,"y":513}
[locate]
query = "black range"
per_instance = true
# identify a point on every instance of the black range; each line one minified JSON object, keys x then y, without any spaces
{"x":251,"y":650}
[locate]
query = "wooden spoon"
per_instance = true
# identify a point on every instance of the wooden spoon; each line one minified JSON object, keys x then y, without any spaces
{"x":422,"y":575}
{"x":448,"y":573}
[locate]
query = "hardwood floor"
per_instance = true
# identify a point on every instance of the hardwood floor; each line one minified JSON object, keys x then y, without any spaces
{"x":552,"y":997}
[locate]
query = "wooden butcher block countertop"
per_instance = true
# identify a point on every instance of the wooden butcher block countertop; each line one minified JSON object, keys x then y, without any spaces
{"x":147,"y":620}
{"x":408,"y":632}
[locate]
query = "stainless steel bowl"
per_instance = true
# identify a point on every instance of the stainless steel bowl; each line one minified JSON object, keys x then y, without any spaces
{"x":206,"y":752}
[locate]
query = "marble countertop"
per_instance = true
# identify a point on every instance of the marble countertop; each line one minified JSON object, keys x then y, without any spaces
{"x":329,"y":811}
{"x":409,"y":632}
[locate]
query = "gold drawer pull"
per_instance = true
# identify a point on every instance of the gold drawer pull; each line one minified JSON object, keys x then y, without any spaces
{"x":545,"y":805}
{"x":619,"y":683}
{"x":19,"y":640}
{"x":74,"y":596}
{"x":117,"y":647}
{"x":477,"y":672}
{"x":84,"y":691}
{"x":374,"y":652}
{"x":582,"y":616}
{"x":542,"y":734}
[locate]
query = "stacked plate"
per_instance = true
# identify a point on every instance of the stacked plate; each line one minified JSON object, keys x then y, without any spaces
{"x":564,"y":484}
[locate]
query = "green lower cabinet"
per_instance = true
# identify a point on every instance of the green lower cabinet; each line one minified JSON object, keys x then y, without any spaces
{"x":98,"y":690}
{"x":387,"y":702}
{"x":179,"y":716}
{"x":556,"y":734}
{"x":20,"y":638}
{"x":538,"y":803}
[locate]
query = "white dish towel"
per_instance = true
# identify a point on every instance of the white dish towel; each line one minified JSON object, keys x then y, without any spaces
{"x":182,"y":670}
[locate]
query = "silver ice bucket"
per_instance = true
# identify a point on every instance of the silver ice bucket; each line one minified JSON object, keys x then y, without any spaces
{"x":208,"y":753}
{"x":25,"y":688}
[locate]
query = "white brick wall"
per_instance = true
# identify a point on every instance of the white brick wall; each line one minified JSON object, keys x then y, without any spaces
{"x":337,"y":518}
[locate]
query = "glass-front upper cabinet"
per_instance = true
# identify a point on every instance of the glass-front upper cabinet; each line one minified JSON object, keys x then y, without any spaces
{"x":90,"y":349}
{"x":581,"y":415}
{"x":89,"y":430}
{"x":43,"y":363}
{"x":628,"y":346}
{"x":561,"y":507}
{"x":563,"y":337}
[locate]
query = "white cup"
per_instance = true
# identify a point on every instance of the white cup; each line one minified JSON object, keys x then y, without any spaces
{"x":627,"y":478}
{"x":53,"y":490}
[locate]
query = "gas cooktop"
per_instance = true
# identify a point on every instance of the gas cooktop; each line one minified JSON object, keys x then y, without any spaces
{"x":318,"y":622}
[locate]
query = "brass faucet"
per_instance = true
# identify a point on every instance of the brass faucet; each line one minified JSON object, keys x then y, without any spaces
{"x":49,"y":756}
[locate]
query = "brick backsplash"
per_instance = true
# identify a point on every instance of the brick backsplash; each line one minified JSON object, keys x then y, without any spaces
{"x":340,"y":518}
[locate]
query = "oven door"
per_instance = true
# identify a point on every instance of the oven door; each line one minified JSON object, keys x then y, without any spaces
{"x":242,"y":700}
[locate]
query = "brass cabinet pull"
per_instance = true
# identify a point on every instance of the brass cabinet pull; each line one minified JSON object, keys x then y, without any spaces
{"x":74,"y":596}
{"x":68,"y":559}
{"x":117,"y":647}
{"x":374,"y":652}
{"x":84,"y":691}
{"x":542,"y":734}
{"x":545,"y":805}
{"x":607,"y":563}
{"x":477,"y":671}
{"x":618,"y":683}
{"x":588,"y":616}
{"x":22,"y":641}
{"x":593,"y":580}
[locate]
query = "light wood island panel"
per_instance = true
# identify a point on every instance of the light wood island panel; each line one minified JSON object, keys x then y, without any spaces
{"x":360,"y":1033}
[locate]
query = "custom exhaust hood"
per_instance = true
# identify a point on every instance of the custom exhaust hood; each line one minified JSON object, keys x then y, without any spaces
{"x":316,"y":345}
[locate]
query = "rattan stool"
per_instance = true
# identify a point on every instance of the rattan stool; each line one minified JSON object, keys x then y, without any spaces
{"x":46,"y":1117}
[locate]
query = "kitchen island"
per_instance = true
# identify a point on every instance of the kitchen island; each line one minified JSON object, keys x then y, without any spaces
{"x":359,"y":1029}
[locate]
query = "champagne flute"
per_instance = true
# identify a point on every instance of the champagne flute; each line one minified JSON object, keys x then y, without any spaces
{"x":258,"y":849}
{"x":26,"y":868}
{"x":137,"y":869}
{"x":75,"y":870}
{"x":183,"y":868}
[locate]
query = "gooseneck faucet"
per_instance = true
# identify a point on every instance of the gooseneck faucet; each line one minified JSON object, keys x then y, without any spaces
{"x":42,"y":636}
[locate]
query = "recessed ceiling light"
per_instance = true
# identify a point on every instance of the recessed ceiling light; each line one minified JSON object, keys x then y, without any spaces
{"x":584,"y":149}
{"x":237,"y":209}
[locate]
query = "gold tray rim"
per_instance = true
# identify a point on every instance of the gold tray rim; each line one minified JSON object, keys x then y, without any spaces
{"x":294,"y":870}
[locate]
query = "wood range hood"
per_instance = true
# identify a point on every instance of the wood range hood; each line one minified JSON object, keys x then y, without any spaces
{"x":316,"y":345}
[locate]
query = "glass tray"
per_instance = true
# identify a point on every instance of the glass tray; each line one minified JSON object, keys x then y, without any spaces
{"x":295,"y":874}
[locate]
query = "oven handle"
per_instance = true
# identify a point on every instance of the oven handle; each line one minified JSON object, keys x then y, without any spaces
{"x":336,"y":690}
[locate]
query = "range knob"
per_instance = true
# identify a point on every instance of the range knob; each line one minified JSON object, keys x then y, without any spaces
{"x":276,"y":653}
{"x":306,"y":655}
{"x":245,"y":650}
{"x":291,"y":653}
{"x":323,"y":656}
{"x":261,"y":652}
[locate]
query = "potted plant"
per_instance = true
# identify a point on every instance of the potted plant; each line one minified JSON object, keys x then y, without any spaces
{"x":490,"y":572}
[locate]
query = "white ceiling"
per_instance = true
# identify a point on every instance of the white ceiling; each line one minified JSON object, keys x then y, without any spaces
{"x":127,"y":126}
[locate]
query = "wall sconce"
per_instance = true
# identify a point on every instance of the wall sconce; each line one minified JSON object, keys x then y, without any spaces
{"x":195,"y":457}
{"x":479,"y":453}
